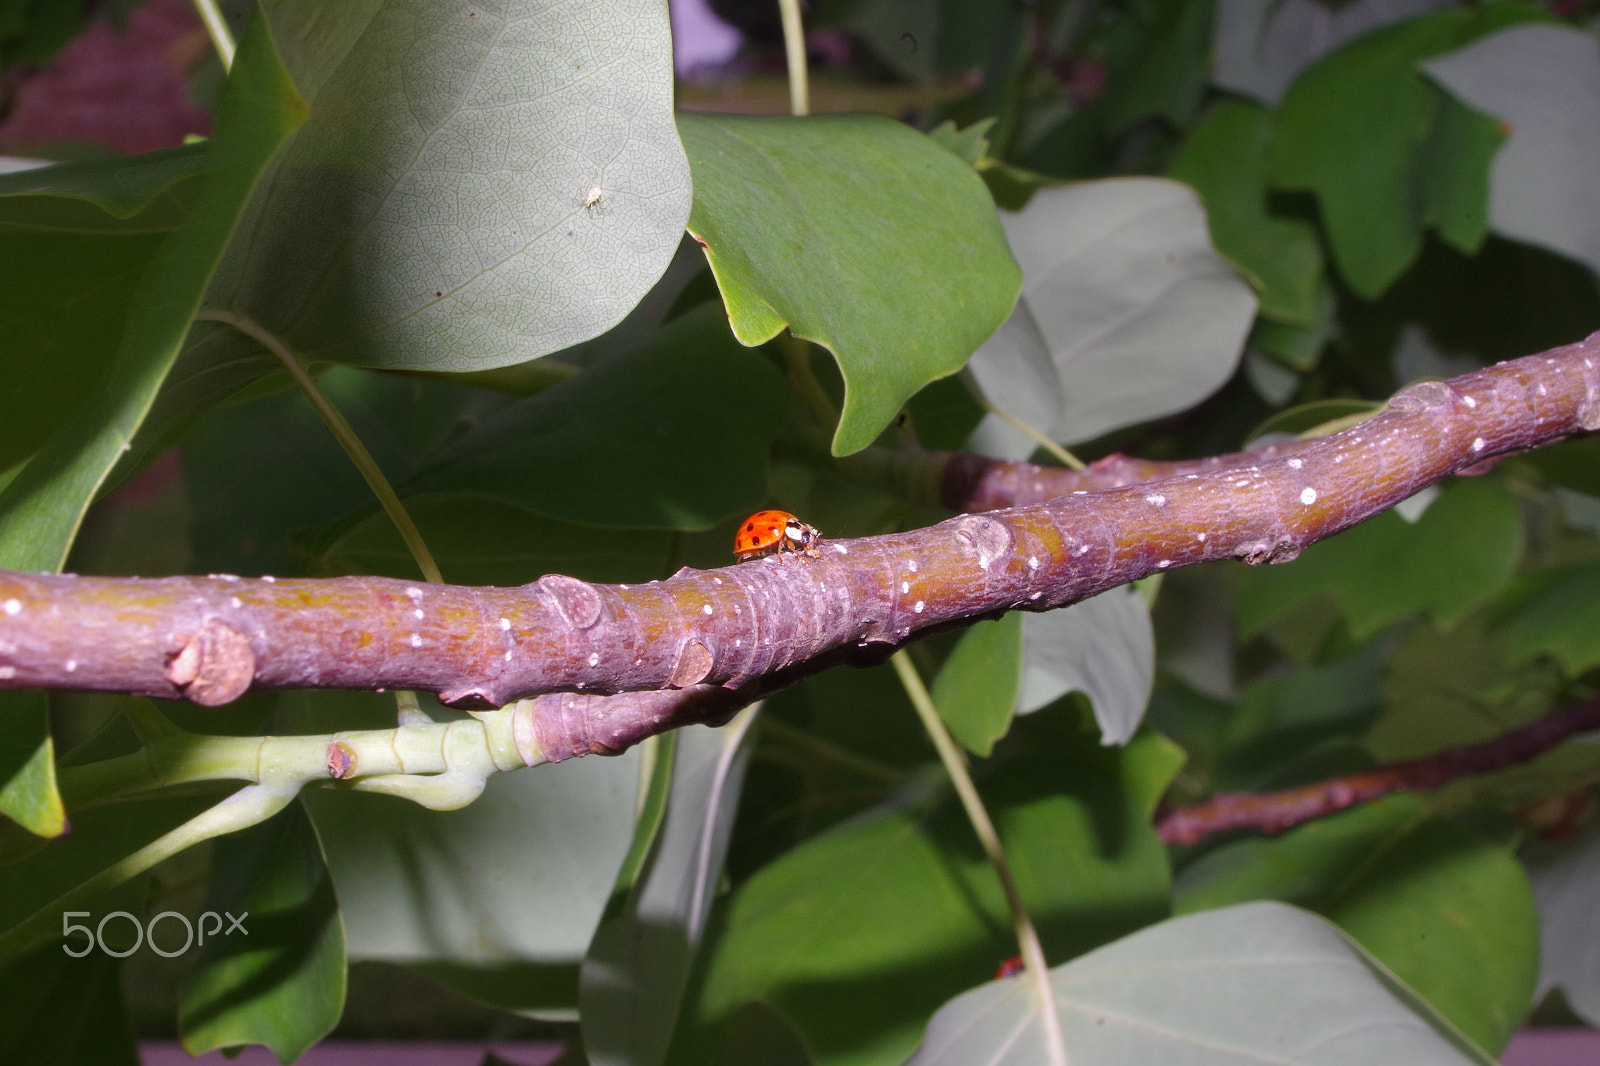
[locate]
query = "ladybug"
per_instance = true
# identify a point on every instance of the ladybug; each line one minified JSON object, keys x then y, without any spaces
{"x":772,"y":532}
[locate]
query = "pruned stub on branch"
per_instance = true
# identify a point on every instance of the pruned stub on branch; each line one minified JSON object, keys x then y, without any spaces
{"x":614,"y":663}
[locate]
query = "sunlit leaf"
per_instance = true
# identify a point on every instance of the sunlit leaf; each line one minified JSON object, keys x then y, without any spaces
{"x":856,"y":935}
{"x":1543,"y":82}
{"x":1104,"y":648}
{"x":1448,"y":911}
{"x":472,"y":187}
{"x":1256,"y":983}
{"x":1261,"y":48}
{"x":1127,"y":312}
{"x":633,"y":979}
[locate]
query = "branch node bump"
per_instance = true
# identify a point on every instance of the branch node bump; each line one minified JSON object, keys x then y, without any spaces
{"x":471,"y":698}
{"x":987,"y":537}
{"x":1256,"y":552}
{"x":341,"y":761}
{"x":693,"y":664}
{"x":1425,"y":396}
{"x":577,"y":601}
{"x":214,"y":666}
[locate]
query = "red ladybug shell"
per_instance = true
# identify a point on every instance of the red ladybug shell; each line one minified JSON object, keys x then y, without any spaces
{"x":771,"y":532}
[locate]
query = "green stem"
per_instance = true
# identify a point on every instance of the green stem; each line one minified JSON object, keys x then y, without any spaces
{"x":217,"y":27}
{"x":346,"y":436}
{"x":955,"y":764}
{"x":794,"y":47}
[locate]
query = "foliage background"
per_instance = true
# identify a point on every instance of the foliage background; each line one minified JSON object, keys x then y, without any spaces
{"x":1409,"y":197}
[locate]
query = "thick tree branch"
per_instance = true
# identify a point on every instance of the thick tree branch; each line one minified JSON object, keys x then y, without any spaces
{"x":733,"y":632}
{"x":1273,"y":812}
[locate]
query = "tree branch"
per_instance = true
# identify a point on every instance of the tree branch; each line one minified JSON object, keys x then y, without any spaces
{"x":731,"y":634}
{"x":1273,"y":812}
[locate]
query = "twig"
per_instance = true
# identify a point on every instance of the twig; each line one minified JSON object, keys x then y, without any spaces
{"x":1273,"y":812}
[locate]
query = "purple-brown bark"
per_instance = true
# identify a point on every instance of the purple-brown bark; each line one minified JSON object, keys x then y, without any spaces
{"x":1273,"y":812}
{"x":726,"y":636}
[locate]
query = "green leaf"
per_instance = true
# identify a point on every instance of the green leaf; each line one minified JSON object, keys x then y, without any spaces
{"x":673,"y":435}
{"x":1260,"y":48}
{"x":1454,"y":165}
{"x":28,"y":793}
{"x":74,"y":241}
{"x":976,"y":690}
{"x":1224,"y":988}
{"x":100,"y":838}
{"x":1461,"y":551}
{"x":634,"y":977}
{"x":858,"y":233}
{"x":62,"y":1010}
{"x":482,"y":542}
{"x":40,"y":511}
{"x":1127,"y":312}
{"x":245,"y":464}
{"x":1317,"y":418}
{"x":857,"y":935}
{"x":1557,"y":614}
{"x":1375,"y":141}
{"x":1575,"y":464}
{"x":1104,"y":648}
{"x":1157,"y":62}
{"x":1225,"y":160}
{"x":470,"y":189}
{"x":1461,"y":686}
{"x":1285,"y":727}
{"x":1449,"y":912}
{"x":280,"y":983}
{"x":1299,"y":347}
{"x":1543,"y":83}
{"x":149,"y":192}
{"x":499,"y":898}
{"x":32,"y":33}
